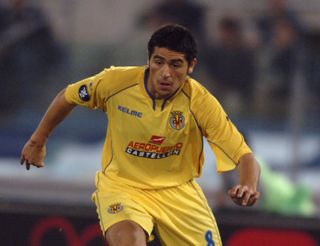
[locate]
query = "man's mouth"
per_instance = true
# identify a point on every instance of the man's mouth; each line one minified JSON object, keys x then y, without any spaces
{"x":164,"y":85}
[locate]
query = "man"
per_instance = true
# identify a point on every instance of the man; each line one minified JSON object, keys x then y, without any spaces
{"x":157,"y":117}
{"x":231,"y":52}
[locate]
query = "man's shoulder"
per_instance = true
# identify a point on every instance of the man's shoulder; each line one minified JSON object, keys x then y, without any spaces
{"x":198,"y":95}
{"x":117,"y":78}
{"x":125,"y":71}
{"x":192,"y":88}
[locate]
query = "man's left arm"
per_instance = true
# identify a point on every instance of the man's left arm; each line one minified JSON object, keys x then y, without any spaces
{"x":246,"y":192}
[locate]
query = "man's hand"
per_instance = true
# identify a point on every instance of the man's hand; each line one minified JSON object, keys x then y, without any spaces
{"x":246,"y":194}
{"x":34,"y":151}
{"x":33,"y":154}
{"x":242,"y":195}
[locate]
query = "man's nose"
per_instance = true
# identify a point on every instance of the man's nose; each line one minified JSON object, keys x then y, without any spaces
{"x":165,"y":72}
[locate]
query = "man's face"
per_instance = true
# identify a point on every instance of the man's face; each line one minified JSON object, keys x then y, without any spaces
{"x":168,"y":71}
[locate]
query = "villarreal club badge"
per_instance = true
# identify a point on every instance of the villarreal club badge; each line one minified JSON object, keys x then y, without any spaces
{"x":115,"y":208}
{"x":176,"y":120}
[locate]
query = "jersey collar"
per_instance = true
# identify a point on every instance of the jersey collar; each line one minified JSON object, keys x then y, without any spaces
{"x":165,"y":100}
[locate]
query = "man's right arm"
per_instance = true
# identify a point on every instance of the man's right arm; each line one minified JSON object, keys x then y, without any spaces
{"x":34,"y":151}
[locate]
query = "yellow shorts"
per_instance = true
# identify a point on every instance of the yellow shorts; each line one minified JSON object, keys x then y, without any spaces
{"x":180,"y":215}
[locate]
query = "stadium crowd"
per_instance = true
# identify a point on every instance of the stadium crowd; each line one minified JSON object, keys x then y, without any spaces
{"x":263,"y":66}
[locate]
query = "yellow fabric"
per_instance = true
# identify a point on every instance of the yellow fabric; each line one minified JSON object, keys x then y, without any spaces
{"x":180,"y":215}
{"x":154,"y":144}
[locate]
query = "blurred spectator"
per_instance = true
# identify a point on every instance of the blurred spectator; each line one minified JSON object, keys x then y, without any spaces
{"x":313,"y":73}
{"x":27,"y":49}
{"x":184,"y":12}
{"x":231,"y":65}
{"x":276,"y":9}
{"x":280,"y":60}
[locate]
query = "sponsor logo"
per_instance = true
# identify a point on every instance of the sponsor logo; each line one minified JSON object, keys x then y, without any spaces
{"x":152,"y":151}
{"x":115,"y":208}
{"x":176,"y":120}
{"x":156,"y":140}
{"x":130,"y":111}
{"x":83,"y":93}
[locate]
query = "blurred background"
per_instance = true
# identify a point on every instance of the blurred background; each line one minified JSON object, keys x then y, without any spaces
{"x":261,"y":59}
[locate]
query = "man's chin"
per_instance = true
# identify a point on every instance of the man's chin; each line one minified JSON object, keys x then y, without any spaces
{"x":163,"y":94}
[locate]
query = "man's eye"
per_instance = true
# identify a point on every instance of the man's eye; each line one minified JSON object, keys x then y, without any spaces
{"x":158,"y":62}
{"x":176,"y":65}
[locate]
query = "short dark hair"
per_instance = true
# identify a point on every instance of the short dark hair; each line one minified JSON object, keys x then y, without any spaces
{"x":176,"y":38}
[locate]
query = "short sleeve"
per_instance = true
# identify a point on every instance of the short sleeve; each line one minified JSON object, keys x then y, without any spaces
{"x":223,"y":137}
{"x":88,"y":92}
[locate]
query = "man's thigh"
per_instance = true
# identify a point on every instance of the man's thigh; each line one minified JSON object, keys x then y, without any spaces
{"x":113,"y":208}
{"x":126,"y":232}
{"x":186,"y":218}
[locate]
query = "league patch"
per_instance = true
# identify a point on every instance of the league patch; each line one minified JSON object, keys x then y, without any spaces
{"x":115,"y":208}
{"x":83,"y":93}
{"x":176,"y":120}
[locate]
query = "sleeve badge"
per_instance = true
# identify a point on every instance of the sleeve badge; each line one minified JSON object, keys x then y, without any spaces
{"x":83,"y":93}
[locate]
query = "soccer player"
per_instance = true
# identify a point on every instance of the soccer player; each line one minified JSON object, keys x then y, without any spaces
{"x":157,"y":118}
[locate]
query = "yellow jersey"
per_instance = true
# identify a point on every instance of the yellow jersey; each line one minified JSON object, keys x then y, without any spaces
{"x":156,"y":143}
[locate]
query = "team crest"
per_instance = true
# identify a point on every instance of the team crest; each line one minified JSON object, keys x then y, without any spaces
{"x":115,"y":208}
{"x":176,"y":120}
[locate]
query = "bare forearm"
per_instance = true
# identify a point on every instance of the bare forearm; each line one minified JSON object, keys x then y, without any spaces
{"x":57,"y":111}
{"x":249,"y":171}
{"x":246,"y":192}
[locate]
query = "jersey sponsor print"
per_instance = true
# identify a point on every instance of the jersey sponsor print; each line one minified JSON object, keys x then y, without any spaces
{"x":153,"y":148}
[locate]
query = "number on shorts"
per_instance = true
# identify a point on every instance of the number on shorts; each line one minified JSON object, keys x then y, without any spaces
{"x":209,"y":239}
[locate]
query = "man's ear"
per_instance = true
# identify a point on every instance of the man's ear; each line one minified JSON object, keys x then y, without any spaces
{"x":192,"y":65}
